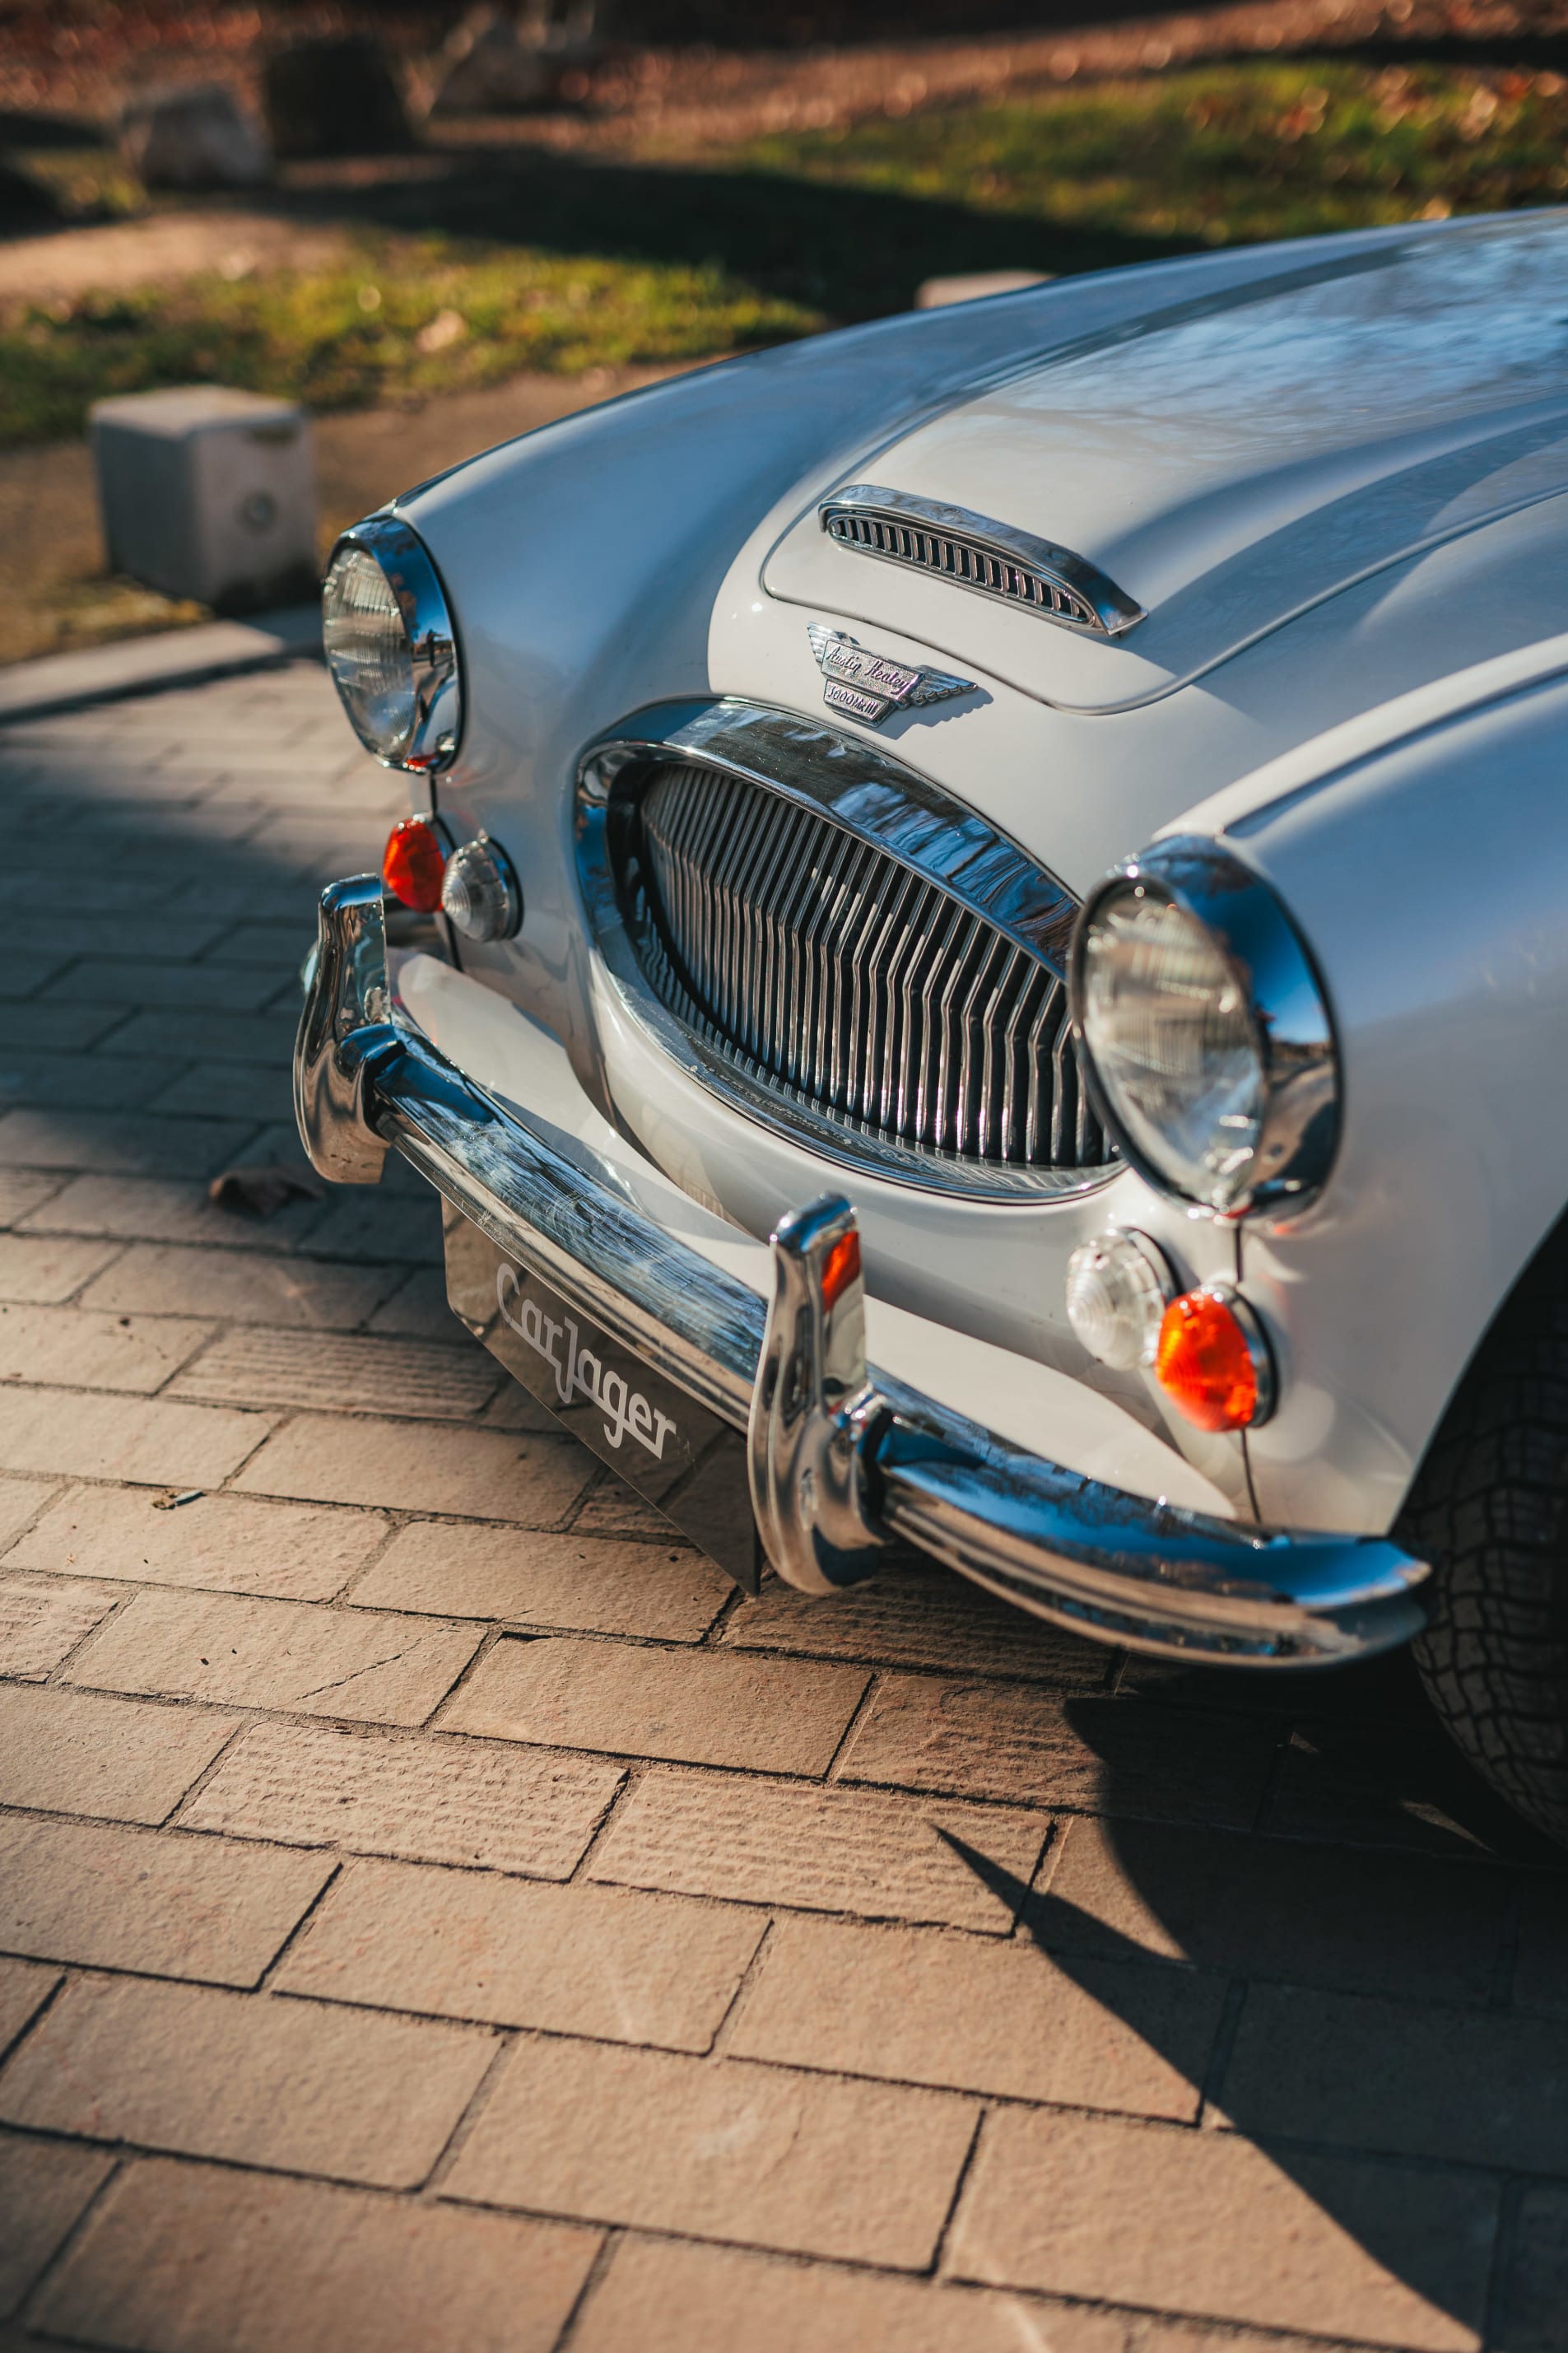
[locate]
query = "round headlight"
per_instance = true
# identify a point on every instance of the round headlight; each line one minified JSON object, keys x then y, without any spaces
{"x":391,"y":647}
{"x":1206,"y":1032}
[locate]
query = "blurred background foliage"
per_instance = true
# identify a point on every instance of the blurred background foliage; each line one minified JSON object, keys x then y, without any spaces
{"x":506,"y":258}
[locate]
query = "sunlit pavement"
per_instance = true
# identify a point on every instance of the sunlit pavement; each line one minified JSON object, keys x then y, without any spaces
{"x":440,"y":1914}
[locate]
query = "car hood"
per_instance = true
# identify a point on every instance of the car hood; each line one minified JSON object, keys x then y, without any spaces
{"x":1231,"y":461}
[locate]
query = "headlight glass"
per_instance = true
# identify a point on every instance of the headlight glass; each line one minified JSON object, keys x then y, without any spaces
{"x":368,"y":652}
{"x":1206,"y":1032}
{"x":1173,"y":1043}
{"x":391,"y":647}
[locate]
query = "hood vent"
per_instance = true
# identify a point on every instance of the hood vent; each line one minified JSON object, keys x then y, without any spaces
{"x":973,"y":552}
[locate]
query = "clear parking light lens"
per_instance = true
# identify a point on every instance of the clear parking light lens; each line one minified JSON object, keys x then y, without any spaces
{"x":481,"y":895}
{"x":390,"y":646}
{"x":1118,"y":1288}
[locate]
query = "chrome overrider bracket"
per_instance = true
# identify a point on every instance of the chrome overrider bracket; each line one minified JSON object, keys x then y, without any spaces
{"x":816,"y":1415}
{"x":844,"y":1460}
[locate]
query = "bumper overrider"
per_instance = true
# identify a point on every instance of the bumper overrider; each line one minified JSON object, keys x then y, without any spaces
{"x":689,"y":1381}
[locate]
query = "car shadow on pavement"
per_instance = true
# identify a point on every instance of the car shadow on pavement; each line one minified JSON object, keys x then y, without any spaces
{"x":1389,"y":1939}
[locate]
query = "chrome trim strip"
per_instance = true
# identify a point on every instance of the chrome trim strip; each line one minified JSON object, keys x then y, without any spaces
{"x":1273,"y":968}
{"x":893,"y":809}
{"x":1068,"y":1548}
{"x":990,"y":559}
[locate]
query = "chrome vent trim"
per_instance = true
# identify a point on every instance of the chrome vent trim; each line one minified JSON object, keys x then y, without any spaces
{"x":991,"y":558}
{"x":841,"y":951}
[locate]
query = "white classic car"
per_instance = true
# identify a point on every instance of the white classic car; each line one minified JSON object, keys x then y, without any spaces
{"x":981,"y":959}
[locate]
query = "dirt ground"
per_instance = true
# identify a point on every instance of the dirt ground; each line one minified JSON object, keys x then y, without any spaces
{"x":54,"y":594}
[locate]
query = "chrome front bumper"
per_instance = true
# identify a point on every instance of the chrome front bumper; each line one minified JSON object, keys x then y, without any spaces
{"x":843,"y":1463}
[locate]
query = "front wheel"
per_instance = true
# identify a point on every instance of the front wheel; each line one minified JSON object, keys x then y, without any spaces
{"x":1490,"y":1511}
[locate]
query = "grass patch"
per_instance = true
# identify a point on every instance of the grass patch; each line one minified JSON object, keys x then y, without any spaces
{"x":399,"y":321}
{"x":566,"y":264}
{"x":1228,"y":154}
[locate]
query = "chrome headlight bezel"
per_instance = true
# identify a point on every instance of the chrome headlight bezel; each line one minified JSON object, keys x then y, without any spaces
{"x":1301,"y":1107}
{"x":430,"y":741}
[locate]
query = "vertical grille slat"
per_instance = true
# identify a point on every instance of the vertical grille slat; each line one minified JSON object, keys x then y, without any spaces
{"x":829,"y":972}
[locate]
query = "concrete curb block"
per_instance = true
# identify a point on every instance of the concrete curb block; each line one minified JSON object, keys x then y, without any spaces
{"x":62,"y":682}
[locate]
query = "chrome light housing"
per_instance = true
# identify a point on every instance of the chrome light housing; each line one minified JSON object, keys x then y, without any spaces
{"x":1206,"y":1032}
{"x":391,"y":646}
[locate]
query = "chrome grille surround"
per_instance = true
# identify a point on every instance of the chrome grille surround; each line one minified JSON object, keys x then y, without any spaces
{"x":973,"y":552}
{"x":828,"y":942}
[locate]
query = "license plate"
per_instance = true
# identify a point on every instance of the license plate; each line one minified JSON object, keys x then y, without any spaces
{"x":673,"y":1452}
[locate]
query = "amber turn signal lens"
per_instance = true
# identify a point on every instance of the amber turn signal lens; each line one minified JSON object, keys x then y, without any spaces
{"x":1211,"y":1366}
{"x":413,"y":863}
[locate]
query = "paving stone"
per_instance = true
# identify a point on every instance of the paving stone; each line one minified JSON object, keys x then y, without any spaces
{"x":225,"y":1091}
{"x":591,"y":1584}
{"x":147,"y":1440}
{"x":571,"y":1960}
{"x":512,"y":1407}
{"x":123,"y":933}
{"x":666,"y":2295}
{"x":206,"y":987}
{"x":1475,"y":2087}
{"x":614,"y":1509}
{"x":1536,"y":2290}
{"x":694,"y":1707}
{"x":20,"y":1500}
{"x":190,"y":1032}
{"x":824,"y":1850}
{"x":285,"y":1552}
{"x":147,"y":1209}
{"x":44,"y":2188}
{"x":239,"y":1653}
{"x":918,"y":1617}
{"x":856,"y":2170}
{"x":374,"y":1224}
{"x":1091,"y":1754}
{"x":163,"y":1901}
{"x":35,"y":1027}
{"x":74,"y":1349}
{"x":24,"y":1989}
{"x":1386,"y":2255}
{"x":454,"y":1801}
{"x":1314,"y":1915}
{"x":347,"y":1374}
{"x":242,"y":1287}
{"x":192,"y":2259}
{"x":133,"y":1142}
{"x":917,"y":2006}
{"x":57,"y":1080}
{"x":40,"y":1268}
{"x":473,"y":1474}
{"x":254,"y":2079}
{"x":275,"y":946}
{"x":1393,"y":1787}
{"x":22,"y":1190}
{"x":68,"y":1752}
{"x":1541,"y":1962}
{"x":417,"y":1309}
{"x":42,"y":1620}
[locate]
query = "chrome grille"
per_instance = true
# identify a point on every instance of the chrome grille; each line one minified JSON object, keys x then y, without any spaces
{"x":837,"y":978}
{"x":964,"y":560}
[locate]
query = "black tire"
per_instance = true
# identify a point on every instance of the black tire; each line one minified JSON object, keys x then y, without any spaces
{"x":1490,"y":1511}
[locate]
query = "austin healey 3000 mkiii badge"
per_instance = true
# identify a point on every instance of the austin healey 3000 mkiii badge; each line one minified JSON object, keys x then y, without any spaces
{"x":870,"y":687}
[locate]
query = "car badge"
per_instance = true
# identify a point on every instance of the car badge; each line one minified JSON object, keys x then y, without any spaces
{"x":869,"y":686}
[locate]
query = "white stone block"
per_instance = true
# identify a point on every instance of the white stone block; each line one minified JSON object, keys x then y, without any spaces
{"x":936,"y":293}
{"x":209,"y":493}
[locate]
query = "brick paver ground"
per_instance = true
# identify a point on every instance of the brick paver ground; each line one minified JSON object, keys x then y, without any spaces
{"x":438,"y":1915}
